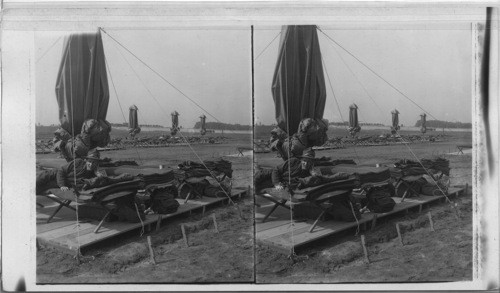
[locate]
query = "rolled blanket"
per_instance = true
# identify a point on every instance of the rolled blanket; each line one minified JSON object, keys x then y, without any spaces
{"x":312,"y":193}
{"x":99,"y":193}
{"x":367,"y":174}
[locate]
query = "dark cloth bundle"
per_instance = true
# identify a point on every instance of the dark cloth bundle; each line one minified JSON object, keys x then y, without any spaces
{"x":134,"y":171}
{"x":366,"y":174}
{"x":149,"y":176}
{"x":409,"y":167}
{"x":440,"y":164}
{"x":433,"y":189}
{"x":99,"y":193}
{"x":344,"y":211}
{"x":107,"y":162}
{"x":101,"y":181}
{"x":184,"y":174}
{"x":194,"y":169}
{"x":379,"y":198}
{"x":316,"y":180}
{"x":157,"y":178}
{"x":396,"y":173}
{"x":312,"y":193}
{"x":163,"y":199}
{"x":326,"y":161}
{"x":127,"y":209}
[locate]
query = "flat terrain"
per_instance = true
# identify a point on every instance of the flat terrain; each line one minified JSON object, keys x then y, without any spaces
{"x":228,"y":256}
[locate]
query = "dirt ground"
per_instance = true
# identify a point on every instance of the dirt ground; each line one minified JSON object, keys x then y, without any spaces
{"x":230,"y":256}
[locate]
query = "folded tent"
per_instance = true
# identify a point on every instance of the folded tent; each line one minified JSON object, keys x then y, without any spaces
{"x":82,"y":85}
{"x":298,"y":85}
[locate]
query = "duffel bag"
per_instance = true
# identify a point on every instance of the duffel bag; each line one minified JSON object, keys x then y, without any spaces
{"x":379,"y":200}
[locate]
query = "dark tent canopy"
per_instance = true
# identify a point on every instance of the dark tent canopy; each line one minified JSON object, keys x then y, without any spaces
{"x":423,"y":128}
{"x":353,"y":120}
{"x":133,"y":121}
{"x":82,"y":85}
{"x":395,"y":120}
{"x":203,"y":129}
{"x":175,"y":123}
{"x":298,"y":83}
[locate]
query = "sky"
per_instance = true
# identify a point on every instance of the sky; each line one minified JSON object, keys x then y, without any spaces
{"x":212,"y":67}
{"x":432,"y":67}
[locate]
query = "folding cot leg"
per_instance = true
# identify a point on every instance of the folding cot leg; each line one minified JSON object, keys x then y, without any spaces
{"x":316,"y":222}
{"x":187,"y":197}
{"x":61,"y":204}
{"x":276,"y":205}
{"x":101,"y":222}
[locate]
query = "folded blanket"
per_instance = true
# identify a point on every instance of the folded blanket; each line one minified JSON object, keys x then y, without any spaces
{"x":99,"y":193}
{"x":135,"y":171}
{"x":327,"y":161}
{"x":317,"y":180}
{"x":101,"y":181}
{"x":366,"y":174}
{"x":194,"y":169}
{"x":312,"y":193}
{"x":107,"y":162}
{"x":409,"y":167}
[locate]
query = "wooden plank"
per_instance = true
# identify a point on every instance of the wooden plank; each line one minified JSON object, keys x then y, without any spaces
{"x":326,"y":229}
{"x":67,"y":230}
{"x":302,"y":234}
{"x":270,"y":224}
{"x":87,"y":236}
{"x":277,"y":233}
{"x":45,"y":227}
{"x":65,"y":235}
{"x":284,"y":229}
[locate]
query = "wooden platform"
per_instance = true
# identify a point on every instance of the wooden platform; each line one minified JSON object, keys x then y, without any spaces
{"x":63,"y":233}
{"x":276,"y":232}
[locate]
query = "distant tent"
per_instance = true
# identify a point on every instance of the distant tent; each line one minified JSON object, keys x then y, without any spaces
{"x":395,"y":121}
{"x":133,"y":121}
{"x":175,"y":123}
{"x":82,"y":85}
{"x":423,"y":127}
{"x":203,"y":129}
{"x":298,"y":86}
{"x":354,"y":127}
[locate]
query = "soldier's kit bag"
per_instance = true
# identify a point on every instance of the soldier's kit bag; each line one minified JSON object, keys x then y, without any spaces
{"x":379,"y":199}
{"x":163,"y":200}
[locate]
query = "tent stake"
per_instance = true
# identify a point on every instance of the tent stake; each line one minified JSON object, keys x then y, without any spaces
{"x":430,"y":221}
{"x":215,"y":223}
{"x":365,"y":251}
{"x":399,"y":234}
{"x":374,"y":220}
{"x":151,"y":252}
{"x":158,"y":222}
{"x":184,"y":235}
